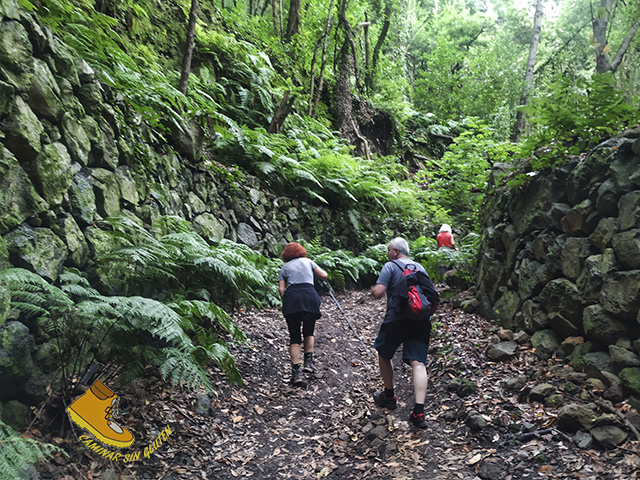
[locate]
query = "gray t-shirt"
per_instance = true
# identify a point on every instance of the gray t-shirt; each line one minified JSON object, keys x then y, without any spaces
{"x":390,"y":273}
{"x":298,"y":270}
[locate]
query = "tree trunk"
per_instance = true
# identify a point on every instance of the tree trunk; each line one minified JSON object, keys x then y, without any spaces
{"x":281,"y":15}
{"x":294,"y":19}
{"x":188,"y":49}
{"x":286,"y":105}
{"x":324,"y":39}
{"x":274,"y":11}
{"x":376,"y":49}
{"x":600,"y":39}
{"x":528,"y":75}
{"x":347,"y":124}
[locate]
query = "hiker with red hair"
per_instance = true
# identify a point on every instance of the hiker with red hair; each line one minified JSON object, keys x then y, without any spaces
{"x":300,"y":306}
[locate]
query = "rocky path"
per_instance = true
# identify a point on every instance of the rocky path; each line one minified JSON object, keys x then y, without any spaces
{"x":482,"y":421}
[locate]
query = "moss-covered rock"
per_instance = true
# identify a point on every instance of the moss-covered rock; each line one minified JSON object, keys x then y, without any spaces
{"x":75,"y":138}
{"x":54,"y":174}
{"x":16,"y":364}
{"x":15,"y":415}
{"x":18,"y":197}
{"x":631,"y":379}
{"x":44,"y":94}
{"x":23,"y":131}
{"x":82,"y":200}
{"x":78,"y":251}
{"x":16,"y":55}
{"x":209,"y":226}
{"x":621,"y":294}
{"x":7,"y":93}
{"x":602,"y":327}
{"x":37,"y":249}
{"x":107,"y":191}
{"x":627,"y":248}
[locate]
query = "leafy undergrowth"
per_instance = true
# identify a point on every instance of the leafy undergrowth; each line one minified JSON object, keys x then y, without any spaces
{"x":267,"y":429}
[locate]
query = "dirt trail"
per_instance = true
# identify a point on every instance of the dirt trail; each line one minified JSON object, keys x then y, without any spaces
{"x":268,"y":429}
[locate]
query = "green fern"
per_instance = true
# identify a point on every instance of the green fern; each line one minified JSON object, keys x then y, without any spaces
{"x":18,"y":453}
{"x":131,"y":332}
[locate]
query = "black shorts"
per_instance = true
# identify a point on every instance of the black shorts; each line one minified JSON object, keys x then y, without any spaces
{"x":413,"y":336}
{"x":305,"y":319}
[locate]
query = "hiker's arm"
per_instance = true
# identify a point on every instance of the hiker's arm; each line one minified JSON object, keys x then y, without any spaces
{"x":281,"y":287}
{"x":320,"y":273}
{"x":378,"y":290}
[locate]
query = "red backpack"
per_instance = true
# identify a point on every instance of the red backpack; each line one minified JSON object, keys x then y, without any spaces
{"x":419,"y":297}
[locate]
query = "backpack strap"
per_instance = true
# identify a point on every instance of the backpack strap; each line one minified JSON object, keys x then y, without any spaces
{"x":402,"y":268}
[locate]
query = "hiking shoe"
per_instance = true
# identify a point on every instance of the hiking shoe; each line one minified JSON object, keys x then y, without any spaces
{"x":309,"y":366}
{"x":382,"y":400}
{"x":296,"y":378}
{"x":418,"y":420}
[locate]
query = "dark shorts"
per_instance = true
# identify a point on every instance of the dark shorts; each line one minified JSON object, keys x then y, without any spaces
{"x":413,"y":336}
{"x":295,"y":320}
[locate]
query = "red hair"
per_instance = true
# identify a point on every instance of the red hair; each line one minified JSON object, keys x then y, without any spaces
{"x":293,"y":250}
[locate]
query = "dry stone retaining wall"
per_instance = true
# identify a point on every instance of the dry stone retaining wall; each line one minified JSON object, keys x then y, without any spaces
{"x":561,"y":260}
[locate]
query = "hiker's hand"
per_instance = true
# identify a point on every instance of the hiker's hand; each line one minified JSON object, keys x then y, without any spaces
{"x":325,"y":286}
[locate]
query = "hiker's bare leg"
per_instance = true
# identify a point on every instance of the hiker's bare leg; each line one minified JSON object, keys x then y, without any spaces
{"x":420,"y":380}
{"x":386,"y":370}
{"x":308,"y":344}
{"x":296,"y":353}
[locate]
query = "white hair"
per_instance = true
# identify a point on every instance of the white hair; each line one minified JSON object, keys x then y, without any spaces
{"x":445,"y":228}
{"x":401,"y":244}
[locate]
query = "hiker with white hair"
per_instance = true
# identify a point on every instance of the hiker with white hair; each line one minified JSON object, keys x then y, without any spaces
{"x":445,"y":240}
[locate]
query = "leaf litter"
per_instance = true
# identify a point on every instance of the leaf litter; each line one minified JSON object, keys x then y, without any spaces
{"x":268,"y":429}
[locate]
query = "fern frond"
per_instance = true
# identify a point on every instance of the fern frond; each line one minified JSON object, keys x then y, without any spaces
{"x":180,"y":368}
{"x":220,"y":267}
{"x":18,"y":453}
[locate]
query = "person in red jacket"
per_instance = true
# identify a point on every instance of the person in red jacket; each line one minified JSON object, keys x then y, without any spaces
{"x":445,"y":240}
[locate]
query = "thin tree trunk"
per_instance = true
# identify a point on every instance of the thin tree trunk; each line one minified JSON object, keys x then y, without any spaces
{"x":350,"y":35}
{"x":381,"y":39}
{"x":188,"y":50}
{"x":281,"y":15}
{"x":286,"y":105}
{"x":528,"y":75}
{"x":274,"y":11}
{"x":325,"y":40}
{"x":293,"y":21}
{"x":347,"y":68}
{"x":600,"y":40}
{"x":367,"y":54}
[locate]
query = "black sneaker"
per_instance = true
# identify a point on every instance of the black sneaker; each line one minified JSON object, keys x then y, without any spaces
{"x":418,"y":420}
{"x":296,"y":378}
{"x":309,"y":366}
{"x":382,"y":400}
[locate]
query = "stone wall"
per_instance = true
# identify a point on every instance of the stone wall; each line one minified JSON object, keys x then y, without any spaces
{"x":561,"y":260}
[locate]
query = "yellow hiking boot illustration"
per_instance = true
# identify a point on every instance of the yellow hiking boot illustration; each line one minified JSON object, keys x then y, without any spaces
{"x":94,"y":411}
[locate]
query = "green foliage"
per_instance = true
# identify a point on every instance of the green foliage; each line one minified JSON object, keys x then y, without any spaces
{"x":18,"y":453}
{"x":130,"y":332}
{"x":465,"y":259}
{"x":343,"y":268}
{"x":573,"y":116}
{"x":467,"y":60}
{"x":180,"y":263}
{"x":457,"y":181}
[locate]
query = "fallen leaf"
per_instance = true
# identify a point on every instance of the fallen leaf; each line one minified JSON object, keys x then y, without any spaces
{"x":475,"y":459}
